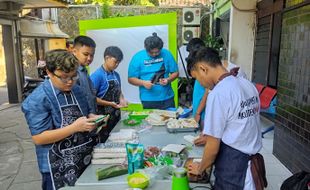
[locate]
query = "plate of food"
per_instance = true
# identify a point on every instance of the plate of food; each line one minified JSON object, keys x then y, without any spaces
{"x":182,"y":125}
{"x":155,"y":119}
{"x":181,"y":112}
{"x":132,"y":122}
{"x":138,"y":115}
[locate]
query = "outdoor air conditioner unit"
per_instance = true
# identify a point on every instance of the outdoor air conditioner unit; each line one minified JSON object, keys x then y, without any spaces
{"x":190,"y":32}
{"x":191,"y":16}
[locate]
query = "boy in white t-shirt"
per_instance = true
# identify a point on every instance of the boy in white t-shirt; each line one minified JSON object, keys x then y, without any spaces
{"x":232,"y":124}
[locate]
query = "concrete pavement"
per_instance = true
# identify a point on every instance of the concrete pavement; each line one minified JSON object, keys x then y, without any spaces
{"x":18,"y":165}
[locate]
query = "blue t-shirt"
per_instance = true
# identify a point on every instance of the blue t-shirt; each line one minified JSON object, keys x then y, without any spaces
{"x":198,"y":93}
{"x":143,"y":66}
{"x":42,"y":113}
{"x":101,"y":78}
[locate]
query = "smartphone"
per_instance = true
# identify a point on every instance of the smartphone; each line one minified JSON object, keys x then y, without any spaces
{"x":157,"y":76}
{"x":100,"y":122}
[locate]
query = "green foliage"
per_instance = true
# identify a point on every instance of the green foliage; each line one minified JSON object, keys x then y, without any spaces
{"x":213,"y":42}
{"x":82,"y":1}
{"x":154,"y":2}
{"x":106,"y":13}
{"x":120,"y":14}
{"x":119,"y":2}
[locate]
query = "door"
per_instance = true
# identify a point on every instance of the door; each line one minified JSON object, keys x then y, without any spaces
{"x":267,"y":43}
{"x":12,"y":62}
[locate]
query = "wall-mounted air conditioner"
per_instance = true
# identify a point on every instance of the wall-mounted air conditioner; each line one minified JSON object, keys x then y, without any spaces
{"x":191,"y":16}
{"x":190,"y":32}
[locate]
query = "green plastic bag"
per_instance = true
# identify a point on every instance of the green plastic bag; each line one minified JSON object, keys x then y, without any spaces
{"x":135,"y":157}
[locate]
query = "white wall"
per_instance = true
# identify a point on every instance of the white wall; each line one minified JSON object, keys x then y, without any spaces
{"x":242,"y":35}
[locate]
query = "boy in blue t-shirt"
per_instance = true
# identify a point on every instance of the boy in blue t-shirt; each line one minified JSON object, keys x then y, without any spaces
{"x":199,"y":93}
{"x":107,"y":83}
{"x":152,"y":70}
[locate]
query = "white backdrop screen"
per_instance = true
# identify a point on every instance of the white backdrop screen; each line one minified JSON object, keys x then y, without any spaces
{"x":130,"y":41}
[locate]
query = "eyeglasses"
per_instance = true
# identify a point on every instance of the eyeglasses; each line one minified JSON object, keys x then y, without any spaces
{"x":66,"y":80}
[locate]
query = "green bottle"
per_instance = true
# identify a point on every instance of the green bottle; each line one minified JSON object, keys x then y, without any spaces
{"x":179,"y":179}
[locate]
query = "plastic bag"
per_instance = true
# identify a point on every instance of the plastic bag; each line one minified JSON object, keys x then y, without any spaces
{"x":298,"y":181}
{"x":135,"y":157}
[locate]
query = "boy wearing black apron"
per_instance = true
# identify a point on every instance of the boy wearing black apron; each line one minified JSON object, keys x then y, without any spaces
{"x":107,"y":84}
{"x":60,"y":123}
{"x":232,"y":124}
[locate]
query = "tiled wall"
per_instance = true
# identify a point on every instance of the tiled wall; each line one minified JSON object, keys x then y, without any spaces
{"x":292,"y":132}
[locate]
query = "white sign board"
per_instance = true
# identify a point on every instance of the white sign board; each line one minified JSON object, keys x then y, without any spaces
{"x":130,"y":41}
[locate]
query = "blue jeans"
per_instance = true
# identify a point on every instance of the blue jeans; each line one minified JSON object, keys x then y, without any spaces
{"x":162,"y":105}
{"x":47,"y":181}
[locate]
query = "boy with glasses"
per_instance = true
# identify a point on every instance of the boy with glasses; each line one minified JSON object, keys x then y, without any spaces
{"x":60,"y":120}
{"x":107,"y":83}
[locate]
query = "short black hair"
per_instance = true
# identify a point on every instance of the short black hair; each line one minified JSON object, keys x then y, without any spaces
{"x":194,"y":44}
{"x":61,"y":59}
{"x":153,"y":42}
{"x":115,"y":52}
{"x":207,"y":55}
{"x":84,"y":41}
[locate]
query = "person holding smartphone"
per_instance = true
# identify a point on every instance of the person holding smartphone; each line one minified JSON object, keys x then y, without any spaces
{"x":107,"y":83}
{"x":153,"y":70}
{"x":60,"y":122}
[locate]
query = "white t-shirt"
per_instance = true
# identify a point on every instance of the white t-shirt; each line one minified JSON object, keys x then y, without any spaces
{"x":232,"y":115}
{"x":241,"y":73}
{"x":184,"y":55}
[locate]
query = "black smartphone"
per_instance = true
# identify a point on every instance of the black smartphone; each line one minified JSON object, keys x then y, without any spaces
{"x":158,"y":75}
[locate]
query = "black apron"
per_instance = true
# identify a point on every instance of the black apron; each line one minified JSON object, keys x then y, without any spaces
{"x":230,"y":168}
{"x":112,"y":95}
{"x":69,"y":157}
{"x":230,"y":165}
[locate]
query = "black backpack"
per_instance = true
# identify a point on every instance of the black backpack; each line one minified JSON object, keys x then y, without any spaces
{"x":298,"y":181}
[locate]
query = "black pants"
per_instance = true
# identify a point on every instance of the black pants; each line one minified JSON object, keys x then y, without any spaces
{"x":162,"y":105}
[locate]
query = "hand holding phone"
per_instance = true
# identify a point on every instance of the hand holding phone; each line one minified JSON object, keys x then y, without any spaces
{"x":101,"y":122}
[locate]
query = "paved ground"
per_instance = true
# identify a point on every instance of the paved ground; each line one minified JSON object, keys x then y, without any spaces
{"x":18,"y":166}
